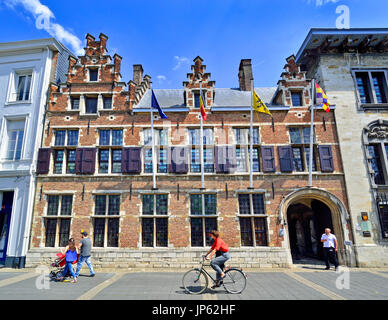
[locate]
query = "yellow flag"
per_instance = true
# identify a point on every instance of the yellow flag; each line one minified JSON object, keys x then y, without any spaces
{"x":259,"y":105}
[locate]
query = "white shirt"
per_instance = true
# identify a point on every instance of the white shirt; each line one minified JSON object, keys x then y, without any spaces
{"x":329,"y":240}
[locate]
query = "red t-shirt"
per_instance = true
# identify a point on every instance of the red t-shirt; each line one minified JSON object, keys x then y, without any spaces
{"x":220,"y":245}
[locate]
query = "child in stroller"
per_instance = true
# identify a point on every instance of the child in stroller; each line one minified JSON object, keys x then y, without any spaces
{"x":59,"y":265}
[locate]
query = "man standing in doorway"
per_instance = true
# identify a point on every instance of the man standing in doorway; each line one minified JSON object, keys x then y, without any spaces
{"x":330,"y":248}
{"x":85,"y":248}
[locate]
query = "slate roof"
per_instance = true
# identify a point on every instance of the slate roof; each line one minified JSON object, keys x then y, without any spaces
{"x":224,"y":98}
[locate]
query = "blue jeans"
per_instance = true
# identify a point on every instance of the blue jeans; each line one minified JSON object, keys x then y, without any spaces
{"x":81,"y":261}
{"x":68,"y":266}
{"x":219,"y":261}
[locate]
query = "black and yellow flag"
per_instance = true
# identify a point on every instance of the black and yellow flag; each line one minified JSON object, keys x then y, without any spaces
{"x":258,"y":105}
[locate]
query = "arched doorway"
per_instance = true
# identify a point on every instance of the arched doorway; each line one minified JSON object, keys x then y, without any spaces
{"x":307,"y":220}
{"x":319,"y":209}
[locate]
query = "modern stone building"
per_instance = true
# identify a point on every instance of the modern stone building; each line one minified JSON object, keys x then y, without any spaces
{"x":351,"y":66}
{"x":95,"y":169}
{"x":26,"y":69}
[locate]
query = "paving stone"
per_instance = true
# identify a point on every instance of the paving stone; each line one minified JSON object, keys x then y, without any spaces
{"x":362,"y":285}
{"x":27,"y":289}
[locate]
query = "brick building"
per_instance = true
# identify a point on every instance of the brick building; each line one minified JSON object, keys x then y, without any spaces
{"x":95,"y":169}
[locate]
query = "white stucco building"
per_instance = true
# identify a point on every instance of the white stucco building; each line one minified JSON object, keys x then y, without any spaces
{"x":352,"y":68}
{"x":26,"y":70}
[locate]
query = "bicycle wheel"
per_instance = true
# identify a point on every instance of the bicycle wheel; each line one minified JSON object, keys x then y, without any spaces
{"x":195,"y":281}
{"x":234,"y":281}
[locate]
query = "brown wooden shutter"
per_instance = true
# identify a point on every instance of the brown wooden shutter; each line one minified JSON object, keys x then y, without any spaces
{"x":125,"y":160}
{"x":85,"y":160}
{"x":326,"y":158}
{"x":285,"y":158}
{"x":43,"y":164}
{"x":89,"y":161}
{"x":267,"y":153}
{"x":231,"y":164}
{"x":134,"y":162}
{"x":175,"y":153}
{"x":220,"y":157}
{"x":78,"y":160}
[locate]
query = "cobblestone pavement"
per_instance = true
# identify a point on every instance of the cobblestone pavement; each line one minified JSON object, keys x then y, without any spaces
{"x":288,"y":284}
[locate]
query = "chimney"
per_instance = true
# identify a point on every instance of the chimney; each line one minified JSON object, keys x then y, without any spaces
{"x":138,"y":73}
{"x":245,"y":74}
{"x":89,"y":40}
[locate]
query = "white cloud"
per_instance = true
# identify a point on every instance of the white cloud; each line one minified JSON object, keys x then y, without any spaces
{"x":319,"y":3}
{"x":43,"y":15}
{"x":179,"y":62}
{"x":161,"y":77}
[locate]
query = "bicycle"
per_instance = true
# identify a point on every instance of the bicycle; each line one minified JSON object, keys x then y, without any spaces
{"x":196,"y":280}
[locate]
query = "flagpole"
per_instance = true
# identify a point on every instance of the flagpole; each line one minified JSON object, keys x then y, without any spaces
{"x":153,"y":145}
{"x":201,"y":142}
{"x":311,"y":153}
{"x":251,"y":142}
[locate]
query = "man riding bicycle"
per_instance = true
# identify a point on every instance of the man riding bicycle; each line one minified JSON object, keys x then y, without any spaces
{"x":221,"y":250}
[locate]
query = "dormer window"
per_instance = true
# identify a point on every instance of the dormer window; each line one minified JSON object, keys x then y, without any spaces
{"x":196,"y":100}
{"x":296,"y":98}
{"x":91,"y":105}
{"x":93,"y":74}
{"x":75,"y":103}
{"x":107,"y":102}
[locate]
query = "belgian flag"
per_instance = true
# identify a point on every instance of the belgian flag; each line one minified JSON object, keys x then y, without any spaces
{"x":202,"y":103}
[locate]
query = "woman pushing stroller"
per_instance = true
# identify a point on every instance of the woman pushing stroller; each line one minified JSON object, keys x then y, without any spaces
{"x":71,"y":252}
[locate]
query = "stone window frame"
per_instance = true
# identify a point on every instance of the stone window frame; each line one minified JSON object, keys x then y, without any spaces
{"x":376,"y":133}
{"x":246,"y":146}
{"x":252,"y":215}
{"x":58,"y":218}
{"x":197,"y":92}
{"x":98,"y":73}
{"x":300,"y":93}
{"x":13,"y":83}
{"x":203,"y":216}
{"x":303,"y":145}
{"x":106,"y":217}
{"x":6,"y":122}
{"x":83,"y":95}
{"x":111,"y":148}
{"x":374,"y":104}
{"x":147,"y":147}
{"x":65,"y":148}
{"x":154,"y":217}
{"x":196,"y":147}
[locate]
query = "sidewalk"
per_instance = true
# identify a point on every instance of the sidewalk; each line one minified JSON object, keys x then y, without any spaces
{"x":271,"y":284}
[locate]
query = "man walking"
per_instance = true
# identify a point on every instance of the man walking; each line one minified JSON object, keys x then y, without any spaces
{"x":330,"y":248}
{"x":85,"y":248}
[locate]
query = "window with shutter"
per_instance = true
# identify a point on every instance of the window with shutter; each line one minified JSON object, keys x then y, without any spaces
{"x":88,"y":163}
{"x":85,"y":160}
{"x":326,"y":158}
{"x":177,"y":160}
{"x":285,"y":159}
{"x":134,"y":162}
{"x":268,"y":159}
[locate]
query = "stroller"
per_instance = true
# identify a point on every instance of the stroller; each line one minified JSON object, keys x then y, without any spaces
{"x":59,"y":265}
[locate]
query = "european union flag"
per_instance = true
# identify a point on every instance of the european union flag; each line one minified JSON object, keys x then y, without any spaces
{"x":155,"y":104}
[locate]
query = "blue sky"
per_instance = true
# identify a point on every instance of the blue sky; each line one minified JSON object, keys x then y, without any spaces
{"x":165,"y":36}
